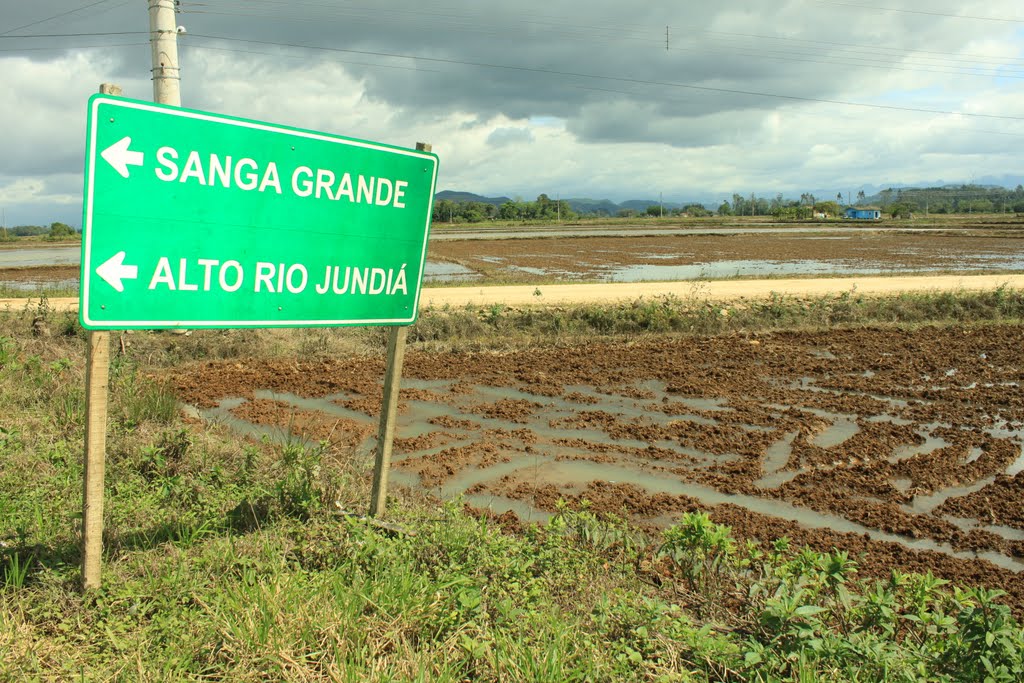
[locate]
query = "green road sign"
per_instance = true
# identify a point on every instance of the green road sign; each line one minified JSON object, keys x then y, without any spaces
{"x":193,"y":219}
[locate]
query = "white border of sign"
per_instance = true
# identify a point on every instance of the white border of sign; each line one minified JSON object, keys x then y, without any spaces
{"x":93,"y":152}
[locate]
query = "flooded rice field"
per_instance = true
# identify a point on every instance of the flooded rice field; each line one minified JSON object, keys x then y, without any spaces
{"x":903,"y":447}
{"x":700,"y":256}
{"x":645,"y":257}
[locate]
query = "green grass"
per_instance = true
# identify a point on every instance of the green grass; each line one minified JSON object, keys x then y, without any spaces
{"x":229,"y":560}
{"x":41,"y":290}
{"x":476,"y":325}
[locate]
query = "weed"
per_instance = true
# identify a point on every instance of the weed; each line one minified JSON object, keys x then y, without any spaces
{"x":15,"y":569}
{"x":300,"y":490}
{"x":139,"y":398}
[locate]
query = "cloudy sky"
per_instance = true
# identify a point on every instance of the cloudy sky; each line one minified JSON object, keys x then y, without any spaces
{"x":692,"y":100}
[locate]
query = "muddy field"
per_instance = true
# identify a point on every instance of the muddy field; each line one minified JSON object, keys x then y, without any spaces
{"x":638,"y":258}
{"x":902,"y":447}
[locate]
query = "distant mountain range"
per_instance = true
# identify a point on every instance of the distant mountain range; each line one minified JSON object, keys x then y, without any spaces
{"x":454,"y":196}
{"x":712,"y":200}
{"x":579,"y":205}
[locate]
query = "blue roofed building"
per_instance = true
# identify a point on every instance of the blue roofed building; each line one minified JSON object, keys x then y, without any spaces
{"x":862,"y":214}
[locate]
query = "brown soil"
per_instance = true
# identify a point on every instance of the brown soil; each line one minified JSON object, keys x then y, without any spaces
{"x":662,"y":414}
{"x":304,"y":424}
{"x":40,"y":274}
{"x":572,"y":259}
{"x":580,"y":258}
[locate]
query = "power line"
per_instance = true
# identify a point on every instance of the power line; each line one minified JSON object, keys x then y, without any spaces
{"x":575,"y":31}
{"x":796,"y":113}
{"x":346,"y":9}
{"x":648,"y":34}
{"x":855,"y":62}
{"x":912,"y":11}
{"x":872,"y":48}
{"x":874,"y":55}
{"x":623,"y":79}
{"x":70,"y":47}
{"x":272,"y":54}
{"x":77,"y":35}
{"x":55,"y":16}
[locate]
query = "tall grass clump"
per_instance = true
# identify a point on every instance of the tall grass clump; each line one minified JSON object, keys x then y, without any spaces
{"x":474,"y":325}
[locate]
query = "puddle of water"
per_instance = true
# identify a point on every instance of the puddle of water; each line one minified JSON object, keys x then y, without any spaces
{"x":499,"y":505}
{"x":775,"y":458}
{"x":824,"y":354}
{"x":57,"y":256}
{"x":930,"y":445}
{"x":577,"y":471}
{"x":1007,"y":532}
{"x":536,"y":271}
{"x":1017,"y":466}
{"x":31,"y":285}
{"x":448,"y":272}
{"x":699,"y":456}
{"x":221,"y":414}
{"x":837,"y":433}
{"x":890,"y":418}
{"x":921,"y":505}
{"x":528,"y":467}
{"x":325,"y":405}
{"x":543,"y":467}
{"x":808,"y":384}
{"x":741,"y":268}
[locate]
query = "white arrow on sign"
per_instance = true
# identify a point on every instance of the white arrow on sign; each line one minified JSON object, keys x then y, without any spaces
{"x":120,"y":157}
{"x":113,"y":270}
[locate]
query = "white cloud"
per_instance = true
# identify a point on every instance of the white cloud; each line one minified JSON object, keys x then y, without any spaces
{"x":577,"y":100}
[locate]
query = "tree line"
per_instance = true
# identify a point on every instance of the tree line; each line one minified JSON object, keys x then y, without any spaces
{"x":903,"y":202}
{"x":543,"y":209}
{"x":898,"y":203}
{"x":55,"y":230}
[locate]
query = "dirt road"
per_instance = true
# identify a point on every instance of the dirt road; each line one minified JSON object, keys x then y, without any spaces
{"x":721,"y":290}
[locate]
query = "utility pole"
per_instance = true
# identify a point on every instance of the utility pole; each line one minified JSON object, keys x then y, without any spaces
{"x":661,"y":204}
{"x":163,"y":30}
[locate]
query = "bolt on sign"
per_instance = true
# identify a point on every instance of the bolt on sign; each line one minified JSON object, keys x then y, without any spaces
{"x":200,"y":220}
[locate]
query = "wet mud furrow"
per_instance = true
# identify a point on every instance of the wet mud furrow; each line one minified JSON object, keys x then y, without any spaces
{"x":906,"y":446}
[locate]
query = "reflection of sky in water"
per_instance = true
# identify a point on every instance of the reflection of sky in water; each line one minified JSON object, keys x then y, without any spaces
{"x":447,"y":272}
{"x":726,"y":269}
{"x":554,"y":461}
{"x":763,"y":268}
{"x":34,"y":285}
{"x":435,"y":272}
{"x":58,"y":256}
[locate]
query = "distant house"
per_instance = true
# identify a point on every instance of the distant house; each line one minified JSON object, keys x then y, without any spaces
{"x":863,"y":214}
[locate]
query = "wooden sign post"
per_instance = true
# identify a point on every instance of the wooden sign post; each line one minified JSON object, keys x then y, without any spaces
{"x":388,"y":417}
{"x":389,"y":407}
{"x":97,"y":374}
